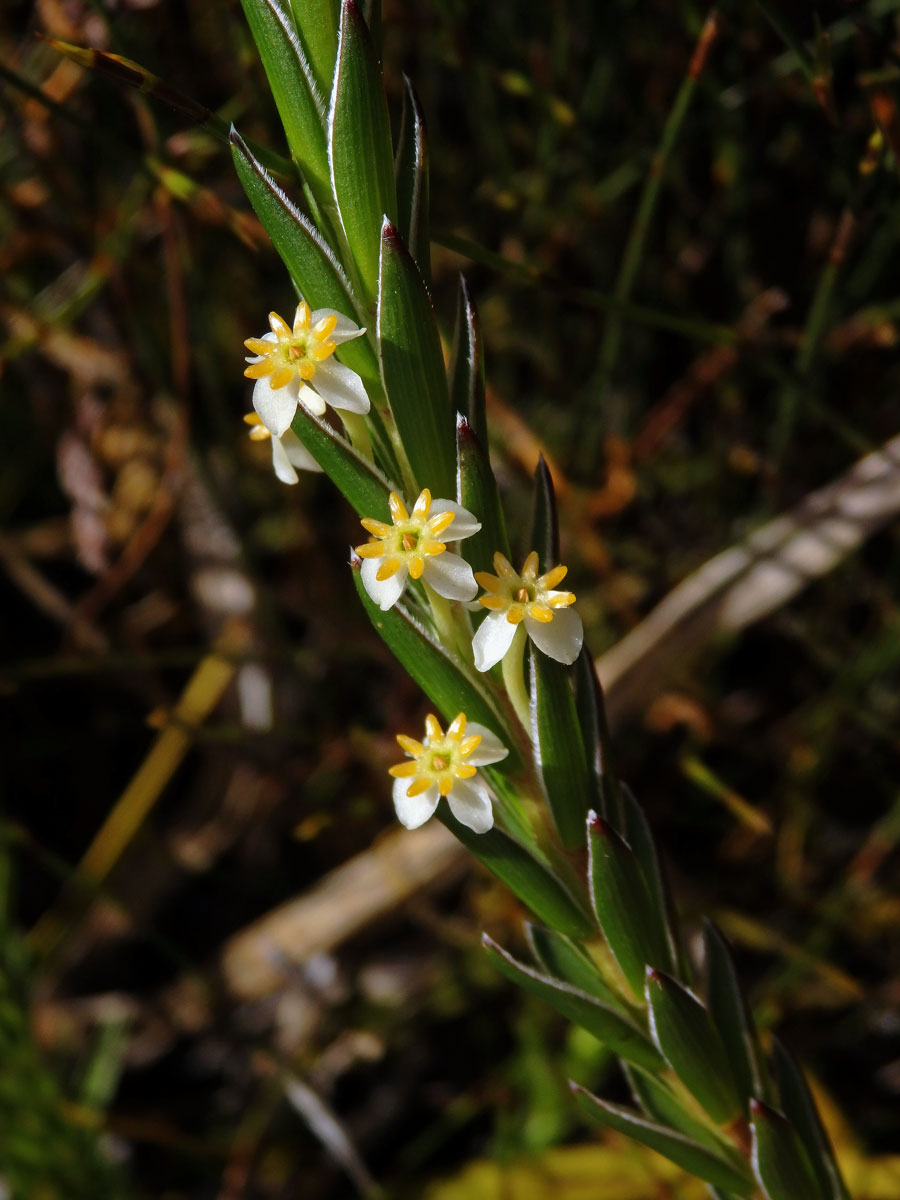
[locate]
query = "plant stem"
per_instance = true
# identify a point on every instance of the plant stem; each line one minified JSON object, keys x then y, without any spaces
{"x":514,"y":678}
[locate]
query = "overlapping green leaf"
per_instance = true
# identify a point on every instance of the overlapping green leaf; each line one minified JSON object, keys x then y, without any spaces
{"x":479,"y":494}
{"x":591,"y":712}
{"x":562,"y":958}
{"x":356,"y":478}
{"x":412,"y":367}
{"x":780,"y":1161}
{"x":800,"y":1108}
{"x":544,"y":521}
{"x":630,"y":923}
{"x":411,"y":173}
{"x":607,"y":1024}
{"x":730,"y":1015}
{"x":687,"y":1154}
{"x":467,"y":390}
{"x":658,"y":1100}
{"x":317,"y":24}
{"x":559,"y":750}
{"x":359,"y":146}
{"x":690,"y":1044}
{"x":640,"y":838}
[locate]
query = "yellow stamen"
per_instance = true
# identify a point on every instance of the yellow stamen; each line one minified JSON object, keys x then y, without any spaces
{"x":466,"y":771}
{"x":388,"y":568}
{"x":404,"y":770}
{"x":432,"y":727}
{"x":324,"y":328}
{"x":552,"y":578}
{"x":441,"y":522}
{"x":378,"y":528}
{"x":467,"y":745}
{"x":410,"y":745}
{"x":422,"y":505}
{"x":260,"y":369}
{"x":495,"y":603}
{"x":279,"y":326}
{"x":416,"y":566}
{"x":515,"y":615}
{"x":301,"y":317}
{"x":280,"y":378}
{"x":371,"y":550}
{"x":398,"y":508}
{"x":457,"y":726}
{"x":422,"y":784}
{"x":259,"y":345}
{"x":541,"y":613}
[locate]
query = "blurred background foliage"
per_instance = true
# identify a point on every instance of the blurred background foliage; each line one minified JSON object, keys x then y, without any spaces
{"x":180,"y":642}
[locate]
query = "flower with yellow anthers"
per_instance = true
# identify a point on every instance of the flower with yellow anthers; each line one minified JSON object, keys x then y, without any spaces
{"x":444,"y":764}
{"x":412,"y":546}
{"x":288,"y":453}
{"x":529,"y":599}
{"x":294,"y":366}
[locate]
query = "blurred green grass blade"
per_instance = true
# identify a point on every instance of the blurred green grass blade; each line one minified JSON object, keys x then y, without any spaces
{"x":729,"y":1013}
{"x":681,"y":1150}
{"x":690,"y":1044}
{"x":361,"y":483}
{"x":780,"y":1161}
{"x":467,"y":393}
{"x":559,"y":750}
{"x":639,"y":837}
{"x":544,"y":520}
{"x":656,"y":1098}
{"x":411,"y":174}
{"x":591,"y":710}
{"x":371,"y":11}
{"x":800,"y":1108}
{"x":300,"y":103}
{"x":607,"y":1025}
{"x":479,"y":494}
{"x":525,"y":876}
{"x":412,"y":368}
{"x":439,"y":676}
{"x":307,"y":256}
{"x":627,"y":918}
{"x":317,"y":22}
{"x":564,"y":959}
{"x":359,"y":146}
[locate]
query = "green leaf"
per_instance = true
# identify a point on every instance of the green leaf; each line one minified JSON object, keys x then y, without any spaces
{"x":690,"y":1044}
{"x":525,"y":876}
{"x":661,"y":1104}
{"x":467,"y":367}
{"x":681,"y":1150}
{"x":591,"y":710}
{"x":639,"y":836}
{"x":544,"y":523}
{"x":478,"y":493}
{"x":361,"y":483}
{"x":440,"y":676}
{"x":411,"y":173}
{"x":630,"y":924}
{"x":606,"y":1024}
{"x":559,"y":751}
{"x":300,"y":103}
{"x":317,"y":25}
{"x":310,"y":261}
{"x":359,"y":146}
{"x":412,"y":367}
{"x":800,"y":1108}
{"x":780,"y":1161}
{"x":562,"y":958}
{"x":730,"y":1015}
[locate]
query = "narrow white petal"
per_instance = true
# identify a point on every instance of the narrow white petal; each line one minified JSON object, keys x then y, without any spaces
{"x":345,"y":330}
{"x":489,"y":750}
{"x":311,"y":400}
{"x":275,"y":406}
{"x":560,"y":638}
{"x":297,"y":453}
{"x":413,"y":811}
{"x":450,"y":576}
{"x":492,"y":640}
{"x":470,"y":803}
{"x":282,"y":464}
{"x":464,"y":522}
{"x":340,"y":387}
{"x":385,"y":592}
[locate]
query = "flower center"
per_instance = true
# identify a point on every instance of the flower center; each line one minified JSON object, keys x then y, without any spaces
{"x":438,"y":760}
{"x":523,"y":595}
{"x":411,"y":538}
{"x":292,"y":353}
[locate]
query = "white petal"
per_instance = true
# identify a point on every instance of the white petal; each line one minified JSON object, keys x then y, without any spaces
{"x":345,"y":330}
{"x":340,"y":387}
{"x":282,"y":464}
{"x":560,"y":638}
{"x":385,"y":592}
{"x":311,"y":400}
{"x":464,"y":522}
{"x":470,"y":803}
{"x":489,"y":750}
{"x":275,"y":406}
{"x":492,"y":640}
{"x":297,"y":453}
{"x":450,"y":576}
{"x":413,"y":811}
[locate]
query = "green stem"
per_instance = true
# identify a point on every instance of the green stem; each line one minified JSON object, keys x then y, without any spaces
{"x":358,"y":433}
{"x":514,"y":678}
{"x":443,"y":617}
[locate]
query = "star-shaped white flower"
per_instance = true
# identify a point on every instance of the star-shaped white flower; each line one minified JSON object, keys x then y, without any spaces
{"x":513,"y":598}
{"x":289,"y":455}
{"x":294,"y":366}
{"x":444,"y":764}
{"x":411,"y":547}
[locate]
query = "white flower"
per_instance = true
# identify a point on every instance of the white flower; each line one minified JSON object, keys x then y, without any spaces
{"x":288,"y":453}
{"x":296,"y":366}
{"x":512,"y":598}
{"x":443,"y":764}
{"x":410,"y":546}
